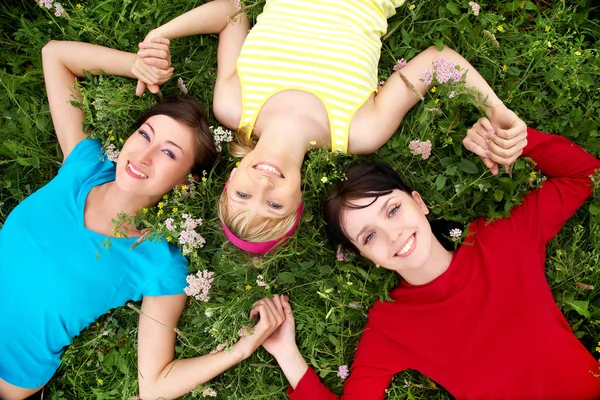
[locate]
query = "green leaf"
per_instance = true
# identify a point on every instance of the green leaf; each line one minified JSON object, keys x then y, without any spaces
{"x":580,"y":306}
{"x":440,"y":182}
{"x":287,"y":277}
{"x":453,"y":8}
{"x":439,"y":43}
{"x":468,"y":166}
{"x":498,"y":194}
{"x":594,"y":209}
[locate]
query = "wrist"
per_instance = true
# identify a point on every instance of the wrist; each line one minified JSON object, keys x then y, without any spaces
{"x":494,"y":107}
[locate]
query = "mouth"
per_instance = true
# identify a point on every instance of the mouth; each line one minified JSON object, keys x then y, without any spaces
{"x":408,"y":247}
{"x":270,"y":169}
{"x":135,"y":171}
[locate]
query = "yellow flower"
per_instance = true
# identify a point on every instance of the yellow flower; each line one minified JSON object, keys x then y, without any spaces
{"x":184,"y":187}
{"x":169,"y":239}
{"x":159,"y":213}
{"x":437,"y":101}
{"x":204,"y":179}
{"x":505,"y":68}
{"x":78,"y":5}
{"x":349,"y":283}
{"x":248,"y":287}
{"x":237,"y":164}
{"x":433,"y":89}
{"x":533,"y":175}
{"x":99,"y":335}
{"x":120,"y":140}
{"x":500,"y":28}
{"x":313,"y":143}
{"x":577,"y":53}
{"x":161,"y":205}
{"x":145,"y":209}
{"x":411,"y":7}
{"x":165,"y":197}
{"x":549,"y":44}
{"x":175,"y":209}
{"x":324,"y":179}
{"x":110,"y":132}
{"x":449,"y":140}
{"x":100,"y":381}
{"x":329,"y":290}
{"x":598,"y":349}
{"x":547,"y":28}
{"x":213,"y":331}
{"x":559,"y":253}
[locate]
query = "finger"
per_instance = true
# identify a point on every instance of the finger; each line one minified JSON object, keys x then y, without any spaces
{"x":490,"y":164}
{"x":506,"y":160}
{"x":265,"y":315}
{"x":140,"y":88}
{"x":508,"y":152}
{"x":508,"y":143}
{"x":154,"y":89}
{"x":161,"y":40}
{"x":474,"y":147}
{"x":287,"y":308}
{"x":156,"y":53}
{"x":158,"y":63}
{"x":280,"y":313}
{"x":145,"y":75}
{"x":517,"y":127}
{"x":487,"y":125}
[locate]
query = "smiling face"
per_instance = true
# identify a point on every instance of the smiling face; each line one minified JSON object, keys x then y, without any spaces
{"x":391,"y":230}
{"x":156,"y":157}
{"x":266,"y":184}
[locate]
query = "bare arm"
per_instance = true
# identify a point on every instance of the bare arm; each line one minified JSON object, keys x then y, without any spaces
{"x":63,"y":62}
{"x":160,"y":376}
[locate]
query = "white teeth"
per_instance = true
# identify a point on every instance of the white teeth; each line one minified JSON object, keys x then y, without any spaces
{"x":407,"y":246}
{"x":266,"y":167}
{"x":135,"y":171}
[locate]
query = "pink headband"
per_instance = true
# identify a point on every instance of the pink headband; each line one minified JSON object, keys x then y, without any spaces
{"x":261,"y":247}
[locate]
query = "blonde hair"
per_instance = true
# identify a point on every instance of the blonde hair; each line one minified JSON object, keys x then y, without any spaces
{"x":251,"y":227}
{"x":242,"y":143}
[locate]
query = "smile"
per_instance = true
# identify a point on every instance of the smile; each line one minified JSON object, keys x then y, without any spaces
{"x":272,"y":169}
{"x":135,"y":172}
{"x":408,"y":247}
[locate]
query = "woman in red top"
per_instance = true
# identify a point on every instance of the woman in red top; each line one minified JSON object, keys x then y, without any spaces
{"x":480,"y":321}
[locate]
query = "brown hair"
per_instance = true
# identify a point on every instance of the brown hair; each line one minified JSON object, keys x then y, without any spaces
{"x":188,"y":111}
{"x":251,"y":227}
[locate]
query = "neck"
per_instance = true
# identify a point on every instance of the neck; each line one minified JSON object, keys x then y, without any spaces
{"x":288,"y":136}
{"x":438,"y":263}
{"x":115,"y":201}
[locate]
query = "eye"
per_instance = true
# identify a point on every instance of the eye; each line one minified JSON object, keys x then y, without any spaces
{"x":393,"y":211}
{"x":242,"y":195}
{"x":144,"y":134}
{"x":368,"y":238}
{"x":169,"y":153}
{"x":274,"y":205}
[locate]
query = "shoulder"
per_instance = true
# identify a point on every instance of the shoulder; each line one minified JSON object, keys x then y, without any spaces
{"x":87,"y":150}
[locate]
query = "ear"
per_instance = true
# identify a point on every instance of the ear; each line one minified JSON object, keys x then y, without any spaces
{"x":232,"y":172}
{"x":417,"y":197}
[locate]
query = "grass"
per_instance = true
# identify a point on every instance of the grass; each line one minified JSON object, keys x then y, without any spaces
{"x":542,"y":59}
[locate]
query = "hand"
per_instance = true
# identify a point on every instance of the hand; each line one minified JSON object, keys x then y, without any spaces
{"x":152,"y":65}
{"x":510,"y":138}
{"x":284,"y":337}
{"x":271,"y":316}
{"x":496,"y":145}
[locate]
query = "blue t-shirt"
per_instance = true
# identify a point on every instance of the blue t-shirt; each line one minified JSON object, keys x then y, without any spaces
{"x":57,"y":276}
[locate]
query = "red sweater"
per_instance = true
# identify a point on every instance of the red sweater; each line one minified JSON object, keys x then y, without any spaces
{"x":488,"y":327}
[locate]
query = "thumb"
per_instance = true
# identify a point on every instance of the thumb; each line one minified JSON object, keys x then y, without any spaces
{"x":140,"y":88}
{"x":154,"y":89}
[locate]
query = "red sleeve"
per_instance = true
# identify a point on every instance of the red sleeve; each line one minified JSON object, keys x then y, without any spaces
{"x":374,"y":365}
{"x":568,"y":168}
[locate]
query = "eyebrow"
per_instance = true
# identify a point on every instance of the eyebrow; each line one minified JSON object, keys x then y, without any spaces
{"x":236,"y":199}
{"x":366,"y":226}
{"x":168,"y":141}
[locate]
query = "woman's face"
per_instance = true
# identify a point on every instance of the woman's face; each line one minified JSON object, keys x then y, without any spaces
{"x":266,"y":183}
{"x":393,"y":231}
{"x":156,"y":157}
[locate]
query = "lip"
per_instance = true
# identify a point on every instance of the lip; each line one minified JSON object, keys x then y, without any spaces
{"x":137,"y":169}
{"x":412,"y":248}
{"x":269,"y":173}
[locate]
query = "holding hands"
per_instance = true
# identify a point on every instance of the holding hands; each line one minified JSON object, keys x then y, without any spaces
{"x":497,"y":140}
{"x":152,"y":65}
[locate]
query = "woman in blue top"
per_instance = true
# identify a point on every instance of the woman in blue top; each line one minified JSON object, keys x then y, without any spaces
{"x":59,"y":231}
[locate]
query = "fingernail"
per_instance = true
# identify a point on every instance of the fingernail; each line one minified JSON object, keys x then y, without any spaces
{"x":142,"y":53}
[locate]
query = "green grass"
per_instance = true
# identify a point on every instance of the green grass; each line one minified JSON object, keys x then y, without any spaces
{"x":546,"y":67}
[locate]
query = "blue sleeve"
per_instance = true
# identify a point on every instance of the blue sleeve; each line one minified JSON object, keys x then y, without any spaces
{"x":170,"y":281}
{"x":88,"y":150}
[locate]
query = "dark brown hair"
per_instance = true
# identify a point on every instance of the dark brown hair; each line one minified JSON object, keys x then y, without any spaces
{"x":188,"y":111}
{"x":370,"y":180}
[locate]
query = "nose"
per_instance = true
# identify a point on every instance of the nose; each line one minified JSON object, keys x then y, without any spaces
{"x":145,"y":156}
{"x":263,"y":182}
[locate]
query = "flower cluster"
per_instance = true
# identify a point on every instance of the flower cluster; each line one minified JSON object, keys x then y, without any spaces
{"x":420,"y":148}
{"x":59,"y":10}
{"x":341,"y":255}
{"x":492,"y":37}
{"x":446,"y":71}
{"x":245,"y":331}
{"x":221,"y":135}
{"x":475,"y":7}
{"x":199,"y":285}
{"x":112,"y":153}
{"x":343,"y":372}
{"x":209,"y":392}
{"x":401,"y":63}
{"x":188,"y":237}
{"x":455,"y":233}
{"x":182,"y":86}
{"x":260,"y":282}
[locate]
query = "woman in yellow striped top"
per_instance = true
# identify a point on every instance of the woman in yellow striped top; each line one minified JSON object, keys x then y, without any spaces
{"x":305,"y":74}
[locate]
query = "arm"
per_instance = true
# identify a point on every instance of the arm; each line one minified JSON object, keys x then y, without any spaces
{"x":160,"y":376}
{"x":371,"y":373}
{"x":396,"y":98}
{"x":63,"y":62}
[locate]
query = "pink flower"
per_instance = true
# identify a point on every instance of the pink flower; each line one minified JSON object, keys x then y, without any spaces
{"x":219,"y":348}
{"x":420,"y":148}
{"x":169,"y":224}
{"x":428,"y":76}
{"x":245,"y":331}
{"x":475,"y":7}
{"x":492,"y":36}
{"x":181,"y":86}
{"x":59,"y":10}
{"x":343,"y":372}
{"x":446,"y":70}
{"x":260,"y":282}
{"x":199,"y":285}
{"x":400,"y":64}
{"x":341,"y":254}
{"x":452,"y":94}
{"x":236,"y":4}
{"x":112,"y":153}
{"x":380,"y":85}
{"x":45,"y":3}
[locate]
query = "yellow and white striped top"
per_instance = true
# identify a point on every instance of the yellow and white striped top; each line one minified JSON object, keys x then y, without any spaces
{"x":329,"y":48}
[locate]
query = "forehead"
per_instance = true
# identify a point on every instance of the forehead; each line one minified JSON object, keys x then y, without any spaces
{"x":354,"y":219}
{"x":169,"y":129}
